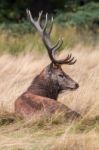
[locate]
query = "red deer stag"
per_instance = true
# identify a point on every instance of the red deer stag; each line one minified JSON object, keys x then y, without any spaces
{"x":44,"y":89}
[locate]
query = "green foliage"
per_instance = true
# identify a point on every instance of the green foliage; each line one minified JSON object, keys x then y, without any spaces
{"x":86,"y":124}
{"x":85,"y":16}
{"x":57,"y":4}
{"x":8,"y":118}
{"x":17,"y":28}
{"x":14,"y":10}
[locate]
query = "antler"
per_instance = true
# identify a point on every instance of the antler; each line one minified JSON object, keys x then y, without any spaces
{"x":45,"y":35}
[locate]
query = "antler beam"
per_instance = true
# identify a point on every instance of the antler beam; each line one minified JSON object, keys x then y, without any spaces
{"x":45,"y":35}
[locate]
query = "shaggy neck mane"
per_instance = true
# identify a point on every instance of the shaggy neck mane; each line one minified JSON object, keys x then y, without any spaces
{"x":44,"y":87}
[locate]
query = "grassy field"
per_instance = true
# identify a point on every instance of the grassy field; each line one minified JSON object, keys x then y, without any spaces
{"x":43,"y":132}
{"x":15,"y":42}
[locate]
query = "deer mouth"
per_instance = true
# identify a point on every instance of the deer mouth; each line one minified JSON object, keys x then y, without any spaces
{"x":70,"y":88}
{"x":75,"y":88}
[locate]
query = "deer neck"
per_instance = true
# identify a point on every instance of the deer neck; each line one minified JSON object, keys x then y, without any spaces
{"x":44,"y":87}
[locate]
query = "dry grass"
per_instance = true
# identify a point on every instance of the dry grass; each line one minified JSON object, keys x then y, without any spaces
{"x":16,"y":73}
{"x":17,"y":43}
{"x":77,"y":142}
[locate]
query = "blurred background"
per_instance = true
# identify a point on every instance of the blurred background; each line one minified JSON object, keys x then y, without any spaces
{"x":75,"y":20}
{"x":23,"y":56}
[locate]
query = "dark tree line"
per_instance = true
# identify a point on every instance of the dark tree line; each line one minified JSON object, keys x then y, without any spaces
{"x":14,"y":10}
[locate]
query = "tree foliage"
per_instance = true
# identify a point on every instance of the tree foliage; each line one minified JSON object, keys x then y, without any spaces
{"x":14,"y":10}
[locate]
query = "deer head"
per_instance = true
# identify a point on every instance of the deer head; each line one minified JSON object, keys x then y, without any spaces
{"x":52,"y":78}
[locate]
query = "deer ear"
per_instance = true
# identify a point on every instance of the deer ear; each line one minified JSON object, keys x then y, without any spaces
{"x":46,"y":72}
{"x":48,"y":69}
{"x":54,"y":66}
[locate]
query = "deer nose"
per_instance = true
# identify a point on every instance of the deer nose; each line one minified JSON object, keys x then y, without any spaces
{"x":76,"y":85}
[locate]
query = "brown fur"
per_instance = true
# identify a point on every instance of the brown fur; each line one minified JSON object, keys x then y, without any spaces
{"x":28,"y":104}
{"x":40,"y":97}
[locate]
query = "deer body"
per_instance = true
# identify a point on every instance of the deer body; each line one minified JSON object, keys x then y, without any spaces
{"x":45,"y":88}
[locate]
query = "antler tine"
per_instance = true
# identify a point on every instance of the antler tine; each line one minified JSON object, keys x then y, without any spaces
{"x":58,"y":44}
{"x":69,"y":56}
{"x":51,"y":26}
{"x":29,"y":16}
{"x":40,"y":15}
{"x":45,"y":26}
{"x":53,"y":50}
{"x":36,"y":24}
{"x":71,"y":62}
{"x":68,"y":60}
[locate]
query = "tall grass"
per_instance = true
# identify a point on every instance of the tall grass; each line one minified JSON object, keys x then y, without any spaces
{"x":45,"y":132}
{"x":17,"y":42}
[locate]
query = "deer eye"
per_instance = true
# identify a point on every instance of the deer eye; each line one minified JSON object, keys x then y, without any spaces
{"x":60,"y":75}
